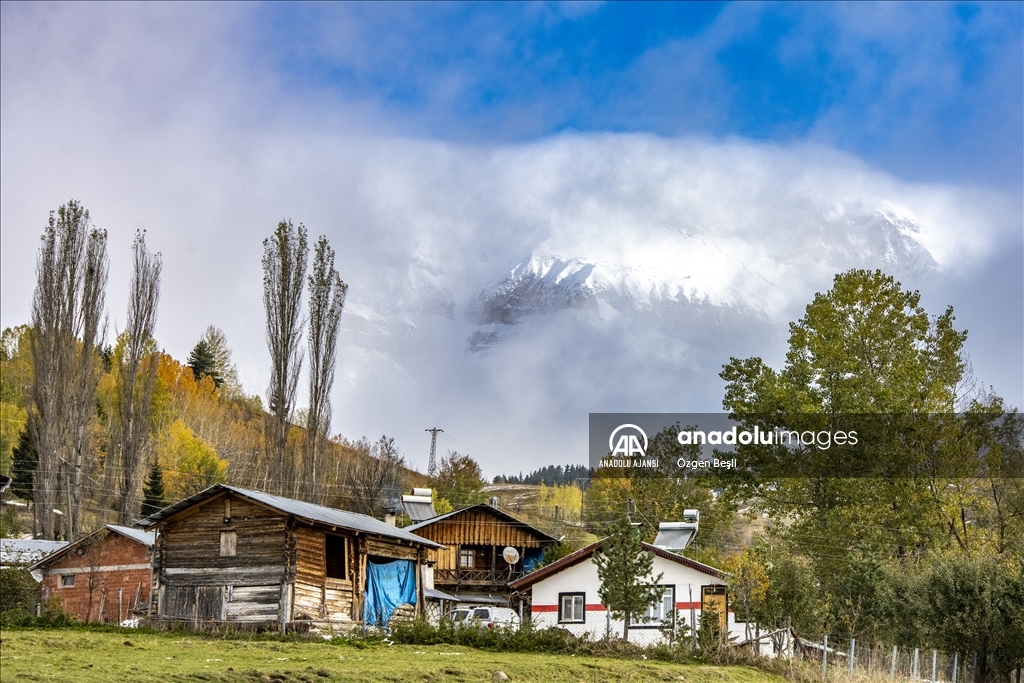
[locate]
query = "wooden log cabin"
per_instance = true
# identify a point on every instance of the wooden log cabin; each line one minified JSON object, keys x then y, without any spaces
{"x":470,"y":562}
{"x":231,"y":555}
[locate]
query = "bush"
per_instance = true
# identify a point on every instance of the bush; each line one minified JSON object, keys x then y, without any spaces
{"x":19,"y":592}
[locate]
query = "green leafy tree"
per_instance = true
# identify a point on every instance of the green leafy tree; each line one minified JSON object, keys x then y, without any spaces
{"x":203,"y":362}
{"x":624,"y":569}
{"x":153,"y":493}
{"x":459,"y":479}
{"x":864,"y":348}
{"x":792,"y":593}
{"x":975,"y":603}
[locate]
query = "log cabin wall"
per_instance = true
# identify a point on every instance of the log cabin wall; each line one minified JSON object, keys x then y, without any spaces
{"x":330,"y":571}
{"x":225,"y":559}
{"x":475,"y":527}
{"x":325,"y":572}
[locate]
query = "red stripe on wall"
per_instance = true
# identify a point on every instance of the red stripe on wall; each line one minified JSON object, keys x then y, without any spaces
{"x":597,"y":607}
{"x":687,"y":605}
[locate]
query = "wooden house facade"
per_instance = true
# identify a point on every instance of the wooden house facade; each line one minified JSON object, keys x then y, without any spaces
{"x":240,"y":556}
{"x":471,"y":561}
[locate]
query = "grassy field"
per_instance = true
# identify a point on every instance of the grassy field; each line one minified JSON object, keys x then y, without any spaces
{"x":93,"y":656}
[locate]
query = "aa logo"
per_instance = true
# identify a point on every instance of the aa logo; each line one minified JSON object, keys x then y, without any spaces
{"x":628,"y":445}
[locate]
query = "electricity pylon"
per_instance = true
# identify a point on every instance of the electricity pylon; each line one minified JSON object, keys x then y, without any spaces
{"x":432,"y":462}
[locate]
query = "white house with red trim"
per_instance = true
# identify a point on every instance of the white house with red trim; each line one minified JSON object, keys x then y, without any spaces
{"x":564,"y":595}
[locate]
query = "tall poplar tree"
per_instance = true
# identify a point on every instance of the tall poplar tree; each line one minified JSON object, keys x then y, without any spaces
{"x":68,"y":323}
{"x":284,"y":271}
{"x":326,"y":301}
{"x":136,"y":379}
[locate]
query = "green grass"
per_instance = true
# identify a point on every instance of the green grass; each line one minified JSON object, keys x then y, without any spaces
{"x":88,"y":656}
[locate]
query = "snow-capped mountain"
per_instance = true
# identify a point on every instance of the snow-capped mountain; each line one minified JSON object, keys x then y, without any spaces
{"x":683,"y":268}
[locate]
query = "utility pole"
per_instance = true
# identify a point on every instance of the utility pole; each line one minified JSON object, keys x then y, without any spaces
{"x":432,"y":462}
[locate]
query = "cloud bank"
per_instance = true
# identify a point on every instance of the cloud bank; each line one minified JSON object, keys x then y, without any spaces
{"x":501,"y":291}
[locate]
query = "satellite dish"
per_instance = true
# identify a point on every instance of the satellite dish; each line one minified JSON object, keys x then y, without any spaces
{"x":510,"y":554}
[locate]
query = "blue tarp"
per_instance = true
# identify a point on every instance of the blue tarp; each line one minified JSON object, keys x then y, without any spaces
{"x":388,"y":585}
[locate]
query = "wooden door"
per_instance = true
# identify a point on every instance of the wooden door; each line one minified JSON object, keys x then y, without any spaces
{"x":713,"y":599}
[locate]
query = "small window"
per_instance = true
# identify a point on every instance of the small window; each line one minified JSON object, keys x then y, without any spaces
{"x":334,"y":549}
{"x":571,"y":608}
{"x":482,"y":613}
{"x":228,"y":543}
{"x":466,"y":556}
{"x":67,"y":581}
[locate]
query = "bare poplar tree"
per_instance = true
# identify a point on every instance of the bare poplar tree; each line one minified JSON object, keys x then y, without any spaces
{"x":67,"y":323}
{"x":284,"y":271}
{"x":326,"y":302}
{"x":136,"y":378}
{"x":372,"y":477}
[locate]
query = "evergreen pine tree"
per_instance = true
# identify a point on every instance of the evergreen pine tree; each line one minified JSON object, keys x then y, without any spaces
{"x":153,"y":493}
{"x":627,"y":588}
{"x":203,"y":362}
{"x":23,"y":465}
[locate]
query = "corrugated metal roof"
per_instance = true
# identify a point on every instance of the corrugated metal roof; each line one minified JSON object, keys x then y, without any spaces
{"x":146,"y":538}
{"x":484,"y":506}
{"x":26,"y":550}
{"x":316,"y":513}
{"x":435,"y":594}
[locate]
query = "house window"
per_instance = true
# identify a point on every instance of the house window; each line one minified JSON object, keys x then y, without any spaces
{"x":661,"y":613}
{"x":466,"y":556}
{"x":571,"y":608}
{"x":228,"y":543}
{"x":67,"y":581}
{"x":334,"y":549}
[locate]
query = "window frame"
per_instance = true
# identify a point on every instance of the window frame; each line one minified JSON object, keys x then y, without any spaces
{"x":583,"y":607}
{"x":465,"y":553}
{"x":669,"y":620}
{"x":66,"y":581}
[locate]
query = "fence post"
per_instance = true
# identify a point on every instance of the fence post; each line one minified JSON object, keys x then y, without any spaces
{"x":913,"y":669}
{"x":935,"y":655}
{"x":853,"y":642}
{"x":824,"y":658}
{"x":892,"y":671}
{"x":956,"y":665}
{"x":974,"y":668}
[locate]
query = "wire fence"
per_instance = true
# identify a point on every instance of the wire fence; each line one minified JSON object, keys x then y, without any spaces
{"x":840,"y":658}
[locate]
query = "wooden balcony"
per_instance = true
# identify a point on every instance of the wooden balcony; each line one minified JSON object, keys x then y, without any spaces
{"x":477,"y":578}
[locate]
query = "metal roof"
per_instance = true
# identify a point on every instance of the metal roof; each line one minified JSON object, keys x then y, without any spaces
{"x":146,"y":538}
{"x":484,"y":506}
{"x":586,"y":553}
{"x":353,"y":521}
{"x":434,"y":594}
{"x":26,"y":550}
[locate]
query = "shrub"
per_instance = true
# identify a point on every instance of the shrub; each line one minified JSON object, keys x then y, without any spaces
{"x":19,"y":592}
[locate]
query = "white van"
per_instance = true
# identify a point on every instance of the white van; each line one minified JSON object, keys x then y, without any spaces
{"x":485,"y":617}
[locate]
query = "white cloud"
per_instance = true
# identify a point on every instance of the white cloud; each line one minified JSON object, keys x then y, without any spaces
{"x":422,"y":227}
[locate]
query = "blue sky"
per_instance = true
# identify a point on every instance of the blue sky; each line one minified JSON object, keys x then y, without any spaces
{"x":746,"y":150}
{"x":931,"y":91}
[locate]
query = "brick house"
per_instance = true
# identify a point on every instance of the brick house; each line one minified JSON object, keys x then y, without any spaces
{"x":101,"y":577}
